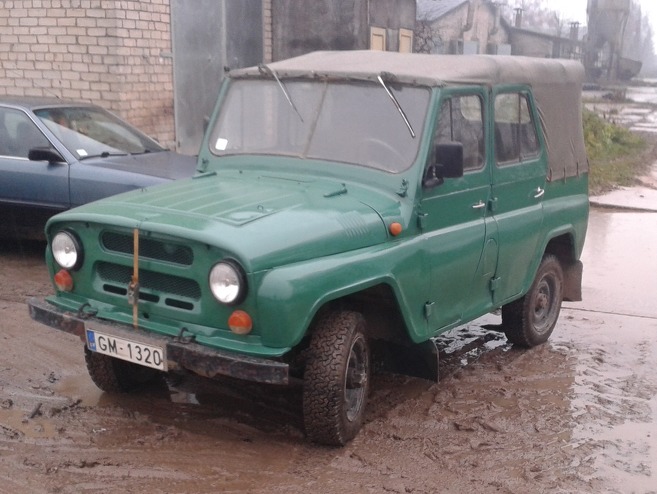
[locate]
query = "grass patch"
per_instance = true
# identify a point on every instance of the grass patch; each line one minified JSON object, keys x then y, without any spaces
{"x":616,"y":155}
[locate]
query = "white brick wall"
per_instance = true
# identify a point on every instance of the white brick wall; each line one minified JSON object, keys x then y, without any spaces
{"x":105,"y":51}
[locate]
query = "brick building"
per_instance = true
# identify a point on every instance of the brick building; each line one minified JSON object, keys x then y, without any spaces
{"x":114,"y":53}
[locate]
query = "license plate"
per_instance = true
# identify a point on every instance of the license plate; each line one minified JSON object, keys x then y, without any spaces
{"x":133,"y":351}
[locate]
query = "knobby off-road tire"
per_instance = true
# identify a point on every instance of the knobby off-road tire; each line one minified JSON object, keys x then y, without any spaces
{"x":337,"y":379}
{"x":529,"y":321}
{"x":113,"y":375}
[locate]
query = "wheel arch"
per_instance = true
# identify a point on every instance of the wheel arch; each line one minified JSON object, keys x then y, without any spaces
{"x":564,"y":248}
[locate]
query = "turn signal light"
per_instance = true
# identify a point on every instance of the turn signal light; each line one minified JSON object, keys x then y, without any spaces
{"x":240,"y":322}
{"x":395,"y":229}
{"x":63,"y":281}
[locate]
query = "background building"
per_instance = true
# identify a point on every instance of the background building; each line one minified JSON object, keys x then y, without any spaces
{"x":159,"y":63}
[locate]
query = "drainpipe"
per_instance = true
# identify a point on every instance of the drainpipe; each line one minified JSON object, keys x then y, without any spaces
{"x":496,"y":17}
{"x":468,"y":24}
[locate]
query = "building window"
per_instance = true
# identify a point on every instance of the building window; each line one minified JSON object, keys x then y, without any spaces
{"x":377,"y":38}
{"x":405,"y":40}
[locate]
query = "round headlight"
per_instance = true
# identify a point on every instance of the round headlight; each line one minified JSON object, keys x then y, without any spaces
{"x":227,"y":283}
{"x":66,"y":250}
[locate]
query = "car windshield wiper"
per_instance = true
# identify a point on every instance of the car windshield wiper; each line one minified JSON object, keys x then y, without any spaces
{"x":394,"y":100}
{"x":104,"y":154}
{"x":264,"y":68}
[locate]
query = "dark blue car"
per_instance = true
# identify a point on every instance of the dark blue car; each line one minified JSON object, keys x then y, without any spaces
{"x":55,"y":155}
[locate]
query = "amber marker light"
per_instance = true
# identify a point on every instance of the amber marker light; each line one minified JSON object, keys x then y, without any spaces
{"x":395,"y":229}
{"x":240,"y":322}
{"x":63,"y":280}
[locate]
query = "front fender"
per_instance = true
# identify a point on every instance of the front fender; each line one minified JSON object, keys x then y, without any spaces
{"x":290,"y":296}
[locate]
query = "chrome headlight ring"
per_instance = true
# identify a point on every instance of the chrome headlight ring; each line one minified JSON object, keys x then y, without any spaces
{"x":67,"y":250}
{"x":227,"y":282}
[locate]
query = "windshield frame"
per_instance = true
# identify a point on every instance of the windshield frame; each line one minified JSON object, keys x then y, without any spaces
{"x":331,"y":111}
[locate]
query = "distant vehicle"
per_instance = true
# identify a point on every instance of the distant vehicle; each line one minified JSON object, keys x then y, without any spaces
{"x":55,"y":155}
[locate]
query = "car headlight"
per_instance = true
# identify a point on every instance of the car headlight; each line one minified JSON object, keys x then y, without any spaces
{"x":66,"y":250}
{"x":227,"y":283}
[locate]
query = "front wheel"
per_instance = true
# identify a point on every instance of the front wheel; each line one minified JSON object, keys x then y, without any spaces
{"x":117,"y":376}
{"x":529,"y":321}
{"x":337,"y":379}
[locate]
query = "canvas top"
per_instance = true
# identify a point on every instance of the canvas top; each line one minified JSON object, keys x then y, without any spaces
{"x":556,"y":84}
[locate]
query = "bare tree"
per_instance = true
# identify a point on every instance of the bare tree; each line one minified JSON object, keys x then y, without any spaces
{"x":427,"y":39}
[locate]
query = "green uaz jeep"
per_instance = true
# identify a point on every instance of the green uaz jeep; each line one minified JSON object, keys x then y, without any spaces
{"x":346,"y":205}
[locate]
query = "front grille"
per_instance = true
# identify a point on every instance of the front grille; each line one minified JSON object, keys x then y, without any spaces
{"x":148,"y":248}
{"x":175,"y":291}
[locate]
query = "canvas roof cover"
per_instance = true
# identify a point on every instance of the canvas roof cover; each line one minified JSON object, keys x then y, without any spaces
{"x":556,"y":84}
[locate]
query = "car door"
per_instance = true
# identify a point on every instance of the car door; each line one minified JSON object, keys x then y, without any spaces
{"x":25,"y":183}
{"x":454,"y":217}
{"x":519,"y":178}
{"x":29,"y":190}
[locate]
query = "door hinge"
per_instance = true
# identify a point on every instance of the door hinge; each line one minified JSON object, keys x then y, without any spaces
{"x":428,"y":309}
{"x":492,"y":204}
{"x":421,"y":220}
{"x":494,"y":284}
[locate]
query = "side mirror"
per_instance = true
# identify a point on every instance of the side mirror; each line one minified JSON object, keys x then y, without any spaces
{"x":44,"y":154}
{"x":448,"y":164}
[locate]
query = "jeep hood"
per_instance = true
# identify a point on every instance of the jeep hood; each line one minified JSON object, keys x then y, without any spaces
{"x":263,"y":221}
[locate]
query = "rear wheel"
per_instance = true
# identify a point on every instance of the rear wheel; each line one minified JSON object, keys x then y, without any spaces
{"x":117,"y":376}
{"x":337,"y":379}
{"x":529,"y":321}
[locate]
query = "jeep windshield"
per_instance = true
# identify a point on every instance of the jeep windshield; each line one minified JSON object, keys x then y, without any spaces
{"x":348,"y":122}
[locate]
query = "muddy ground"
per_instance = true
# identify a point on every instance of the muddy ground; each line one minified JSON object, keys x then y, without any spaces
{"x":576,"y":415}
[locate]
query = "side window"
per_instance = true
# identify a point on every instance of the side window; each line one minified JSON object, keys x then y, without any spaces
{"x":461,"y":120}
{"x":515,"y":131}
{"x":18,"y":134}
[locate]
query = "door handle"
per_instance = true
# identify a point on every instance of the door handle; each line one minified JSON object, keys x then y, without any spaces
{"x":538,"y":193}
{"x":479,"y":205}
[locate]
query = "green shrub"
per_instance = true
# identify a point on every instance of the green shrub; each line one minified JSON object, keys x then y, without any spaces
{"x":616,"y":155}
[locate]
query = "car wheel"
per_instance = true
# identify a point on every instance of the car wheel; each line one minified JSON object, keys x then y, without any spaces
{"x":529,"y":321}
{"x":337,"y":379}
{"x":117,"y":376}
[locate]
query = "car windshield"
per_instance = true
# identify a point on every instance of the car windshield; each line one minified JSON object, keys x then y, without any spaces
{"x":349,"y":122}
{"x":89,"y":132}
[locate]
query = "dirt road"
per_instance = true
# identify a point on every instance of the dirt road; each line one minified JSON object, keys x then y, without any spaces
{"x":576,"y":415}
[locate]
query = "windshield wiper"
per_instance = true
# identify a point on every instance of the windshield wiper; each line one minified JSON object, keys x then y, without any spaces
{"x":104,"y":154}
{"x":394,"y":100}
{"x":264,"y":68}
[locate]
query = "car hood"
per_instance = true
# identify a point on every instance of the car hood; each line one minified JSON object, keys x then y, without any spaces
{"x":162,"y":164}
{"x":263,"y":221}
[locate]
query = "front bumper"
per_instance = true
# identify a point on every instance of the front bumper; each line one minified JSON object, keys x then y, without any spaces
{"x":181,"y":353}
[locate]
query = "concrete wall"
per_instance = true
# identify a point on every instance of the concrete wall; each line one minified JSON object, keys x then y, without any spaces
{"x":302,"y":26}
{"x":475,"y":23}
{"x":114,"y":53}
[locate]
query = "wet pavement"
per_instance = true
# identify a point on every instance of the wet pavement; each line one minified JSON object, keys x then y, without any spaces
{"x":576,"y":415}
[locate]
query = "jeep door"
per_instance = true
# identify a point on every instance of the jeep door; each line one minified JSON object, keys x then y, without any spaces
{"x":519,"y":175}
{"x":454,"y":216}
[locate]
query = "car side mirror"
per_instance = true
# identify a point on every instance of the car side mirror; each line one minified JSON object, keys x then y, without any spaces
{"x":448,"y":164}
{"x":44,"y":154}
